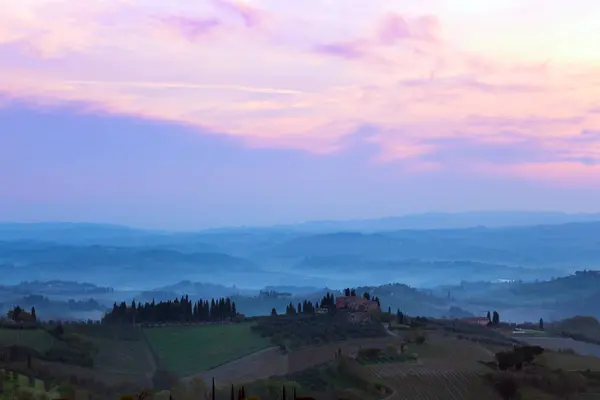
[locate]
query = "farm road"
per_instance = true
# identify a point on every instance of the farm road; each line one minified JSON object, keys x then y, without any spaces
{"x":259,"y":365}
{"x":271,"y":362}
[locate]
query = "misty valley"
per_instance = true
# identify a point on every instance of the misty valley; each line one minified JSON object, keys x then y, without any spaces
{"x":78,"y":271}
{"x":315,"y":311}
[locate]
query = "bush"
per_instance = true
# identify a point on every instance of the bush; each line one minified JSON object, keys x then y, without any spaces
{"x":25,"y":395}
{"x":507,"y":387}
{"x":418,"y":337}
{"x":369,"y":354}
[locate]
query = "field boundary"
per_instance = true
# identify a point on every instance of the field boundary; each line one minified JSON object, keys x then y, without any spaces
{"x":192,"y":366}
{"x":153,"y":355}
{"x":234,"y":361}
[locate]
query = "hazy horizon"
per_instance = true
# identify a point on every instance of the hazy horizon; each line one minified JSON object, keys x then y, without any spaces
{"x":258,"y":193}
{"x":229,"y":112}
{"x":515,"y":214}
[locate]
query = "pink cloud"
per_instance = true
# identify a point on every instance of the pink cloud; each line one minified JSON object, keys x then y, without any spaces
{"x":392,"y":29}
{"x":425,"y":86}
{"x":395,"y":27}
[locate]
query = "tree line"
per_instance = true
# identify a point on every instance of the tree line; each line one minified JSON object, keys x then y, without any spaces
{"x":178,"y":310}
{"x":366,"y":295}
{"x":328,"y":302}
{"x":308,"y":307}
{"x":494,"y":319}
{"x":18,"y":314}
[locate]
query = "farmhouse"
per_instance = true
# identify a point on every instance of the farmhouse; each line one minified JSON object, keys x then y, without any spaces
{"x":356,"y":303}
{"x":274,"y":294}
{"x":359,"y":309}
{"x":476,"y":321}
{"x":21,"y":316}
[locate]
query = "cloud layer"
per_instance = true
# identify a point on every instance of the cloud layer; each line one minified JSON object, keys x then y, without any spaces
{"x":504,"y":87}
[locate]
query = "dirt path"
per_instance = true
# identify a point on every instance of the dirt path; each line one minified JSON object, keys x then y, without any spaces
{"x":259,"y":365}
{"x":271,"y":362}
{"x":389,"y":332}
{"x":150,"y":356}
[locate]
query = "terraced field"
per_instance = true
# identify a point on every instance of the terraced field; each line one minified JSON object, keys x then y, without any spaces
{"x":448,"y":369}
{"x":431,"y":383}
{"x":307,"y":357}
{"x":271,"y":362}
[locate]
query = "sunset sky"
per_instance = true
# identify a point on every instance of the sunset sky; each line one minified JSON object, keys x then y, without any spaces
{"x":188,"y":114}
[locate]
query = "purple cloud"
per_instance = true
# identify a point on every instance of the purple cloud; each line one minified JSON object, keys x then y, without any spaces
{"x":461,"y":150}
{"x":192,"y":28}
{"x":251,"y":16}
{"x":347,"y":50}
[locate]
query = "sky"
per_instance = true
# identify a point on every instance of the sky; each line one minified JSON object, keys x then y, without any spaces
{"x":188,"y":114}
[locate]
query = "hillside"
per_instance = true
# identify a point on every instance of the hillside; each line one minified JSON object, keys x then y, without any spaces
{"x":111,"y":265}
{"x":534,"y":246}
{"x":412,"y":270}
{"x":577,"y":286}
{"x":278,"y":257}
{"x":556,"y":298}
{"x":315,"y":355}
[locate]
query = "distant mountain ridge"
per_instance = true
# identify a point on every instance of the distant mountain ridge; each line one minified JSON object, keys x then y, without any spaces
{"x":127,"y":258}
{"x":432,"y":220}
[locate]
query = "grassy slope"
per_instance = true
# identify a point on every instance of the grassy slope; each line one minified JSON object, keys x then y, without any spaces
{"x":123,"y":356}
{"x":36,"y":339}
{"x":192,"y":349}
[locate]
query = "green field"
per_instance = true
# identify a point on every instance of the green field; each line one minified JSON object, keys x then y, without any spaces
{"x":123,"y":356}
{"x":37,"y":339}
{"x":187,"y":350}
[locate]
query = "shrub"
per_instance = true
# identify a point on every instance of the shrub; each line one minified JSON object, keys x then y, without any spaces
{"x":507,"y":388}
{"x":369,"y":354}
{"x":25,"y":395}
